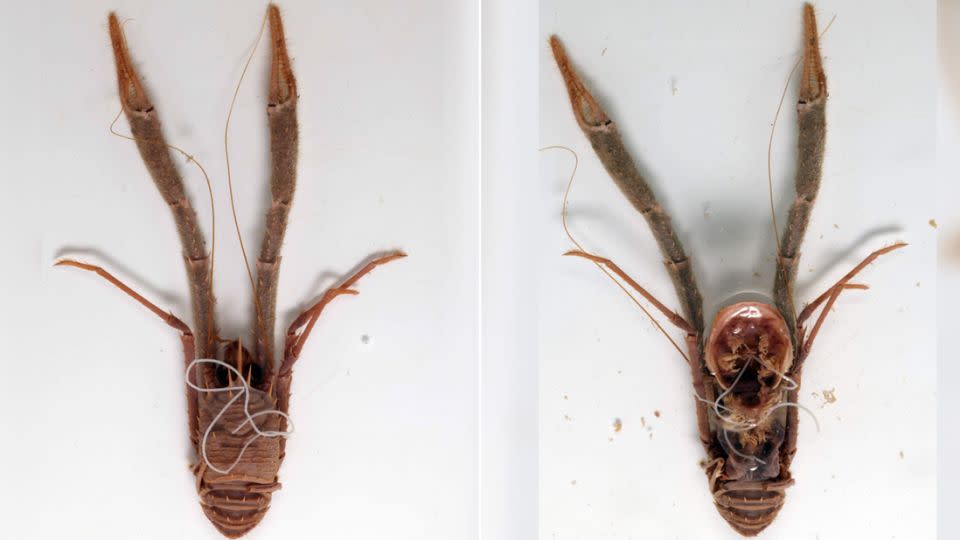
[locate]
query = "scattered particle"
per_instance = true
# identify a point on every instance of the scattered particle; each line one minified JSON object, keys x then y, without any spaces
{"x":617,"y":425}
{"x":656,"y":413}
{"x":821,"y":237}
{"x":365,"y":339}
{"x":566,"y":397}
{"x":573,"y":482}
{"x":619,"y":372}
{"x":918,"y":284}
{"x":643,"y":421}
{"x":901,"y":454}
{"x":933,"y":223}
{"x":651,"y":435}
{"x":756,"y":274}
{"x":673,"y":86}
{"x":835,"y":226}
{"x":567,"y":418}
{"x":603,"y":52}
{"x":610,"y":439}
{"x":348,"y":373}
{"x":829,"y":397}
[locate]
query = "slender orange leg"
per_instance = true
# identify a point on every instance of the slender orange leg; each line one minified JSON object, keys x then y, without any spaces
{"x":812,"y":306}
{"x":280,"y":386}
{"x":674,"y":317}
{"x":167,"y":317}
{"x":833,"y":293}
{"x":294,"y":342}
{"x":186,"y":336}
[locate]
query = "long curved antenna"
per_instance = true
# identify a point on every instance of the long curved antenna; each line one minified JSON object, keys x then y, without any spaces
{"x":609,"y":273}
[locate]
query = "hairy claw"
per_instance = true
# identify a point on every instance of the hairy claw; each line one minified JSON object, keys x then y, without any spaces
{"x":283,"y":85}
{"x":132,"y":95}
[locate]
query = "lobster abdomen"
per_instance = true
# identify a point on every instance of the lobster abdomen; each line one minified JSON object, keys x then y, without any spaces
{"x":235,"y":501}
{"x":749,"y":506}
{"x":235,"y":507}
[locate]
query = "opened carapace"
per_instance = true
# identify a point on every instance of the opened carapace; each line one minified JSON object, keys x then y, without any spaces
{"x":746,"y":373}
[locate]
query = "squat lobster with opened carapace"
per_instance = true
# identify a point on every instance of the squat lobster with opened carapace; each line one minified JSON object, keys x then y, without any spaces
{"x":746,"y":373}
{"x":237,"y":399}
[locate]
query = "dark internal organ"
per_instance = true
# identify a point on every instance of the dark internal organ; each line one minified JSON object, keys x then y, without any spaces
{"x":749,"y":352}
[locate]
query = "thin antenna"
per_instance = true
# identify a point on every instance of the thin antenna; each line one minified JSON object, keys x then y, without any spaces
{"x":226,"y":153}
{"x":566,"y":229}
{"x":773,"y":128}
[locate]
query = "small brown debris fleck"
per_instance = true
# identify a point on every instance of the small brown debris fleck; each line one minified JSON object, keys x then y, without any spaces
{"x":573,"y":482}
{"x":901,"y":454}
{"x":933,"y":223}
{"x":829,"y":396}
{"x":603,"y":52}
{"x":567,"y":418}
{"x":835,"y":226}
{"x":656,"y":413}
{"x":617,"y":425}
{"x":756,"y":274}
{"x":643,"y":421}
{"x":918,"y":284}
{"x":651,"y":435}
{"x":565,"y":397}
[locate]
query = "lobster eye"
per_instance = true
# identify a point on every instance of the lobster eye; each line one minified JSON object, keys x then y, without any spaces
{"x":254,"y":374}
{"x":251,"y":372}
{"x":222,"y":375}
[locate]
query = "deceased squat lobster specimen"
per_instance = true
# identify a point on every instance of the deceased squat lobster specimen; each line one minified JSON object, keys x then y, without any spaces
{"x":240,"y":442}
{"x":746,"y":375}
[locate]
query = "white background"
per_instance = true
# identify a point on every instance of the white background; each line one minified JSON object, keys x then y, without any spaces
{"x":387,"y":440}
{"x":94,"y":414}
{"x":694,"y":87}
{"x":948,"y":279}
{"x":509,"y":378}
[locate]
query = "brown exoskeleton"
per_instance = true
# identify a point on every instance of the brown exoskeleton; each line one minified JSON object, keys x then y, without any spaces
{"x":746,"y":371}
{"x":236,"y":472}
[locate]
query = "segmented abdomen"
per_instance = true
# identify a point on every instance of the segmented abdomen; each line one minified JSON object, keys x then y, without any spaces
{"x":237,"y":500}
{"x":749,"y":506}
{"x":235,"y":507}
